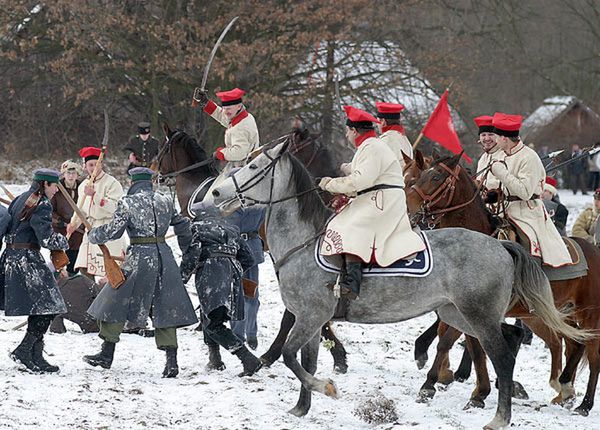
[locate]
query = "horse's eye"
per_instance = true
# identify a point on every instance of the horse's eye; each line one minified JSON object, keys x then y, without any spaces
{"x":437,"y":177}
{"x":253,"y":166}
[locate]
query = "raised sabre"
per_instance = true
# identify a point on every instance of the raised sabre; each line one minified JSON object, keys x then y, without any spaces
{"x":202,"y":87}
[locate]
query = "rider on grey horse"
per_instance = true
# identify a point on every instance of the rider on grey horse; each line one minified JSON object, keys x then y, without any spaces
{"x":374,"y":227}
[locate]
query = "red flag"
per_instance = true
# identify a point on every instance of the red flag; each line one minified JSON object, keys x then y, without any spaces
{"x":440,"y":128}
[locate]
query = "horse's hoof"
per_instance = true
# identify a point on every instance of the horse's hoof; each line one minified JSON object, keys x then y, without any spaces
{"x":564,"y":402}
{"x":340,"y":369}
{"x":584,"y":412}
{"x":518,"y":391}
{"x":474,"y":403}
{"x":298,"y":412}
{"x":330,"y":389}
{"x":425,"y":395}
{"x":421,"y":361}
{"x":266,"y":362}
{"x":495,"y":424}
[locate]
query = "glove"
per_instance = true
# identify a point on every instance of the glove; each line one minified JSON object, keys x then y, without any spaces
{"x":338,"y":202}
{"x":218,"y":154}
{"x":200,"y":98}
{"x":323,"y":182}
{"x":499,"y":169}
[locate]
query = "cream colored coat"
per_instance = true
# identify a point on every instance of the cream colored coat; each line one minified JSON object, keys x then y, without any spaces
{"x":398,"y":143}
{"x":524,"y":175}
{"x":373,"y":225}
{"x":241,"y":138}
{"x":99,"y":210}
{"x":490,"y":182}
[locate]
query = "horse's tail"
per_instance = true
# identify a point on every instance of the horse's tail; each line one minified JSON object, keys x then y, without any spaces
{"x":532,"y":287}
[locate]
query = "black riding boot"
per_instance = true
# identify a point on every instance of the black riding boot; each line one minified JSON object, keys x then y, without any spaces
{"x":350,"y":283}
{"x":104,"y":358}
{"x":171,"y":367}
{"x":24,"y":352}
{"x":38,"y":357}
{"x":215,"y":362}
{"x":251,"y":363}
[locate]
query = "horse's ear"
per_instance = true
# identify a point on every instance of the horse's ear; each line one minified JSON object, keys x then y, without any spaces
{"x":406,"y":158}
{"x":419,"y":159}
{"x":453,"y":161}
{"x":285,"y":145}
{"x":167,"y":129}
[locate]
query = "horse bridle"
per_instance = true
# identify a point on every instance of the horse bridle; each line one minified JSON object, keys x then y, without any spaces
{"x":445,"y":191}
{"x":167,"y":149}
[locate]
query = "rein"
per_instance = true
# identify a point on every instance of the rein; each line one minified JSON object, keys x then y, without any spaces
{"x":445,"y":190}
{"x":166,"y":148}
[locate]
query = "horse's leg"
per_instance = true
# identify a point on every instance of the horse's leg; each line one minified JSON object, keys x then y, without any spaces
{"x":482,"y":387}
{"x":593,"y":354}
{"x":274,"y":352}
{"x":566,"y":396}
{"x":309,"y":354}
{"x":445,"y":374}
{"x":303,"y":331}
{"x":554,"y":343}
{"x":340,"y":364}
{"x":423,"y":343}
{"x":464,"y":368}
{"x":446,"y":341}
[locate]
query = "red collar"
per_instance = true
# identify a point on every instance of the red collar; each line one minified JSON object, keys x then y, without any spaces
{"x":240,"y":116}
{"x":396,"y":127}
{"x":360,"y":139}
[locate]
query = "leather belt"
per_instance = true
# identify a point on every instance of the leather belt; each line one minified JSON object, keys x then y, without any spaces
{"x":34,"y":246}
{"x":221,"y":254}
{"x":146,"y":240}
{"x":379,"y":187}
{"x":249,"y":235}
{"x":519,"y":199}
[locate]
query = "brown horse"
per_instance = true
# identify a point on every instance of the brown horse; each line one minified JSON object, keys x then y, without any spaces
{"x":180,"y":151}
{"x":446,"y":196}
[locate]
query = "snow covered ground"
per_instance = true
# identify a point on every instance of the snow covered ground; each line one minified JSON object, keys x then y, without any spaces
{"x":132,"y":395}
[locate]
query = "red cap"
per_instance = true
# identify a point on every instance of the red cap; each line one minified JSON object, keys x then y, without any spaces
{"x":551,"y":181}
{"x":388,"y":110}
{"x":484,"y":122}
{"x":90,"y":153}
{"x":358,"y":118}
{"x":506,"y":125}
{"x":231,"y":97}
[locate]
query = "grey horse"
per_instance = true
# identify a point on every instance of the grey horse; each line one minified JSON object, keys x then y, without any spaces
{"x":473,"y":281}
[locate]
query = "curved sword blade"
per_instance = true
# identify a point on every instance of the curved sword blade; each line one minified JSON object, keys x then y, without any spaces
{"x":214,"y":51}
{"x":105,"y":138}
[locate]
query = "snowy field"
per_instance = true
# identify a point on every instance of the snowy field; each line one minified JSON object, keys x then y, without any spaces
{"x":131,"y":395}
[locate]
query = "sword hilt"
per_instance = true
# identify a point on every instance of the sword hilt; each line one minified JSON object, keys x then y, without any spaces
{"x":196,"y":96}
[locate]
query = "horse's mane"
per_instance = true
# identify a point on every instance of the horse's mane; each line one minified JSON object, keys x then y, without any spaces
{"x":311,"y":206}
{"x":493,"y":220}
{"x":193,"y":147}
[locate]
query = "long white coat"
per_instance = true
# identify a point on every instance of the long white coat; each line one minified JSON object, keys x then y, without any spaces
{"x":490,"y":182}
{"x":398,"y":143}
{"x":522,"y":174}
{"x":373,"y":226}
{"x":99,"y":210}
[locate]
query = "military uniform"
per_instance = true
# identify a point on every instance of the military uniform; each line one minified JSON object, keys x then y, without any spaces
{"x":489,"y":181}
{"x":153,"y":286}
{"x":241,"y":134}
{"x":144,"y":150}
{"x":27,"y":286}
{"x":99,"y":210}
{"x":522,"y":176}
{"x":393,"y":135}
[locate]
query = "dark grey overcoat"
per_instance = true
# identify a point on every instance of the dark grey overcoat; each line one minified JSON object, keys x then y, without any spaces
{"x":153,"y":286}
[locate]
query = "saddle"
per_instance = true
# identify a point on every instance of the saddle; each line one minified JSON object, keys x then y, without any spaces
{"x":577,"y":269}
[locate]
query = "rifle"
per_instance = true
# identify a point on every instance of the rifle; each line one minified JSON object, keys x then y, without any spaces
{"x":584,"y":154}
{"x":6,"y":202}
{"x":113,"y":271}
{"x":7,"y":191}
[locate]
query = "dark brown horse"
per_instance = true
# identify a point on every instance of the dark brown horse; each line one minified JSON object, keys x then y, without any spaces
{"x":460,"y":205}
{"x":180,"y":151}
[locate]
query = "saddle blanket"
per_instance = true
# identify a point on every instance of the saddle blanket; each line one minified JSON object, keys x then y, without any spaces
{"x":578,"y":269}
{"x":417,"y":267}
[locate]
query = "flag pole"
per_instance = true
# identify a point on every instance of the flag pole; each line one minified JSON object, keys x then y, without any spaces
{"x":420,"y":136}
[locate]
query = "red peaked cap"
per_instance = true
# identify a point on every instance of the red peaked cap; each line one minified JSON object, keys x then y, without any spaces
{"x":388,"y":110}
{"x":551,"y":181}
{"x":507,"y":125}
{"x":90,"y":153}
{"x":484,"y":122}
{"x":358,"y":118}
{"x":231,"y":97}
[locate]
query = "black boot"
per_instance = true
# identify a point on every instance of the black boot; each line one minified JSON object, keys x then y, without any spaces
{"x":350,"y":283}
{"x":23,"y":354}
{"x":252,"y":342}
{"x":251,"y":363}
{"x":38,"y":357}
{"x":214,"y":358}
{"x":171,"y":367}
{"x":104,"y":358}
